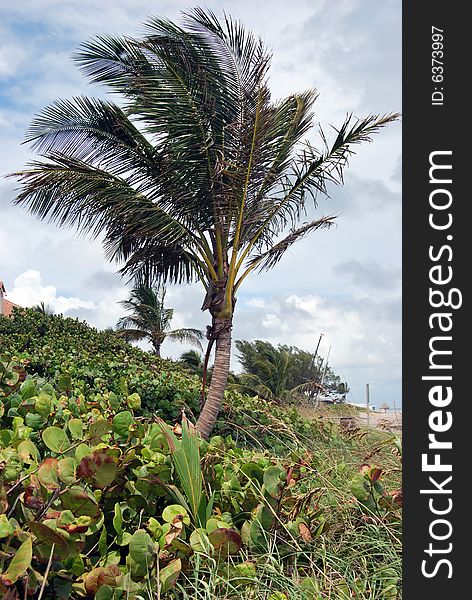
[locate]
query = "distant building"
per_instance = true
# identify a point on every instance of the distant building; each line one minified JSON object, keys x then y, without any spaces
{"x":6,"y":306}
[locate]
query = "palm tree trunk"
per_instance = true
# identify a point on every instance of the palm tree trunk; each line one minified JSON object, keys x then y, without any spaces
{"x":222,"y":330}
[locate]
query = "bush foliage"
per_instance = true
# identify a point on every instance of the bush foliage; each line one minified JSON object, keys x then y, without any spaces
{"x":96,"y":363}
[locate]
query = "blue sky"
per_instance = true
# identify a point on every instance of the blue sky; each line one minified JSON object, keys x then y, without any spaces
{"x":344,"y":283}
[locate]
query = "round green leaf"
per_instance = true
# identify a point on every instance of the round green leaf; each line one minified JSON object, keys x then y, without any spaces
{"x":253,"y":471}
{"x":6,"y":528}
{"x":173,"y":511}
{"x":48,"y":473}
{"x":43,"y":405}
{"x":360,"y":487}
{"x":66,"y":470}
{"x":56,"y":439}
{"x":28,"y":452}
{"x":28,"y":389}
{"x":274,"y":480}
{"x":199,"y":540}
{"x":105,"y":592}
{"x":141,"y":547}
{"x":77,"y":500}
{"x":76,"y":428}
{"x":35,"y":421}
{"x":81,"y":451}
{"x":99,"y":428}
{"x":122,"y":422}
{"x":133,"y":401}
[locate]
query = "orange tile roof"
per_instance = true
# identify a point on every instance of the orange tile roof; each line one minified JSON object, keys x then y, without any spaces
{"x":8,"y":307}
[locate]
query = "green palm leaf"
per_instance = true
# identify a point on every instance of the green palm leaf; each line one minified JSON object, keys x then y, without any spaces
{"x":185,"y":455}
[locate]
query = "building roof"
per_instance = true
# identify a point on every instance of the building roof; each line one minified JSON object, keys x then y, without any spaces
{"x":7,"y":307}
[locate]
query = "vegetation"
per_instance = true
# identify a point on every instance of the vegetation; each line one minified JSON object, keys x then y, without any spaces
{"x":150,"y":320}
{"x":97,"y":364}
{"x":285,"y":373}
{"x":197,"y":174}
{"x":99,"y":498}
{"x":193,"y":361}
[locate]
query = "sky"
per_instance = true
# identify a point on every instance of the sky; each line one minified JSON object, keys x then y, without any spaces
{"x":344,"y":283}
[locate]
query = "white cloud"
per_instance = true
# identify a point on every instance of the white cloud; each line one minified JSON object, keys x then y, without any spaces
{"x":12,"y":54}
{"x":28,"y":290}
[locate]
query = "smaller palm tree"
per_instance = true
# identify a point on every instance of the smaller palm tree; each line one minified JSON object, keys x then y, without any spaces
{"x":149,"y":319}
{"x":43,"y":308}
{"x":269,"y":372}
{"x":193,"y":361}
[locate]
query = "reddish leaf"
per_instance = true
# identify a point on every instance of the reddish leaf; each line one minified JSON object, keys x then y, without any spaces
{"x":48,"y":473}
{"x":305,"y":532}
{"x":225,"y":541}
{"x":49,"y":536}
{"x":375,"y":474}
{"x":80,"y":503}
{"x":100,"y":576}
{"x":100,"y":467}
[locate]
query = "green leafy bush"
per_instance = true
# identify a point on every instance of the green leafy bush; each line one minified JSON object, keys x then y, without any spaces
{"x":66,"y":352}
{"x":115,"y":501}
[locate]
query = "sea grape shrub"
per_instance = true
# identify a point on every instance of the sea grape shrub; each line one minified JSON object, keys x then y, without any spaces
{"x":263,"y":496}
{"x":11,"y":376}
{"x":376,"y":504}
{"x":58,"y":349}
{"x":91,"y":488}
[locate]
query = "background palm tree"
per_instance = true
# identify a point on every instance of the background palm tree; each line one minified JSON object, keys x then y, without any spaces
{"x":150,"y":320}
{"x":267,"y":373}
{"x":193,"y":361}
{"x":283,"y":373}
{"x":198,"y":174}
{"x":43,"y":308}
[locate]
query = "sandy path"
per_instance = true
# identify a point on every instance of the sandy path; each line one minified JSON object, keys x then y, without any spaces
{"x":377,"y":418}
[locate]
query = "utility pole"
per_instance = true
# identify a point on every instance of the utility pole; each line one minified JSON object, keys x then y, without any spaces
{"x":313,"y":362}
{"x":317,"y":346}
{"x":367,"y":399}
{"x":395,"y":411}
{"x":323,"y":376}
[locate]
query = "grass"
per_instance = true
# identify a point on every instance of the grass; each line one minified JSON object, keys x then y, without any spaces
{"x":355,"y":558}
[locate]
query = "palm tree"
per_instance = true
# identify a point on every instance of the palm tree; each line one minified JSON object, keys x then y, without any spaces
{"x":198,"y":174}
{"x":271,"y":372}
{"x":192,"y":360}
{"x":150,"y":320}
{"x":43,"y":308}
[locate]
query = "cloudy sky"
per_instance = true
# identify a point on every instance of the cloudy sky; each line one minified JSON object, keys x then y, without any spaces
{"x":344,"y":283}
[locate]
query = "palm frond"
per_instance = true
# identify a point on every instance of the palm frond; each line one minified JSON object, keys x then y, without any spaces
{"x":266,"y":260}
{"x":250,"y":383}
{"x":308,"y":176}
{"x":131,"y":335}
{"x":96,"y":132}
{"x":189,"y":336}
